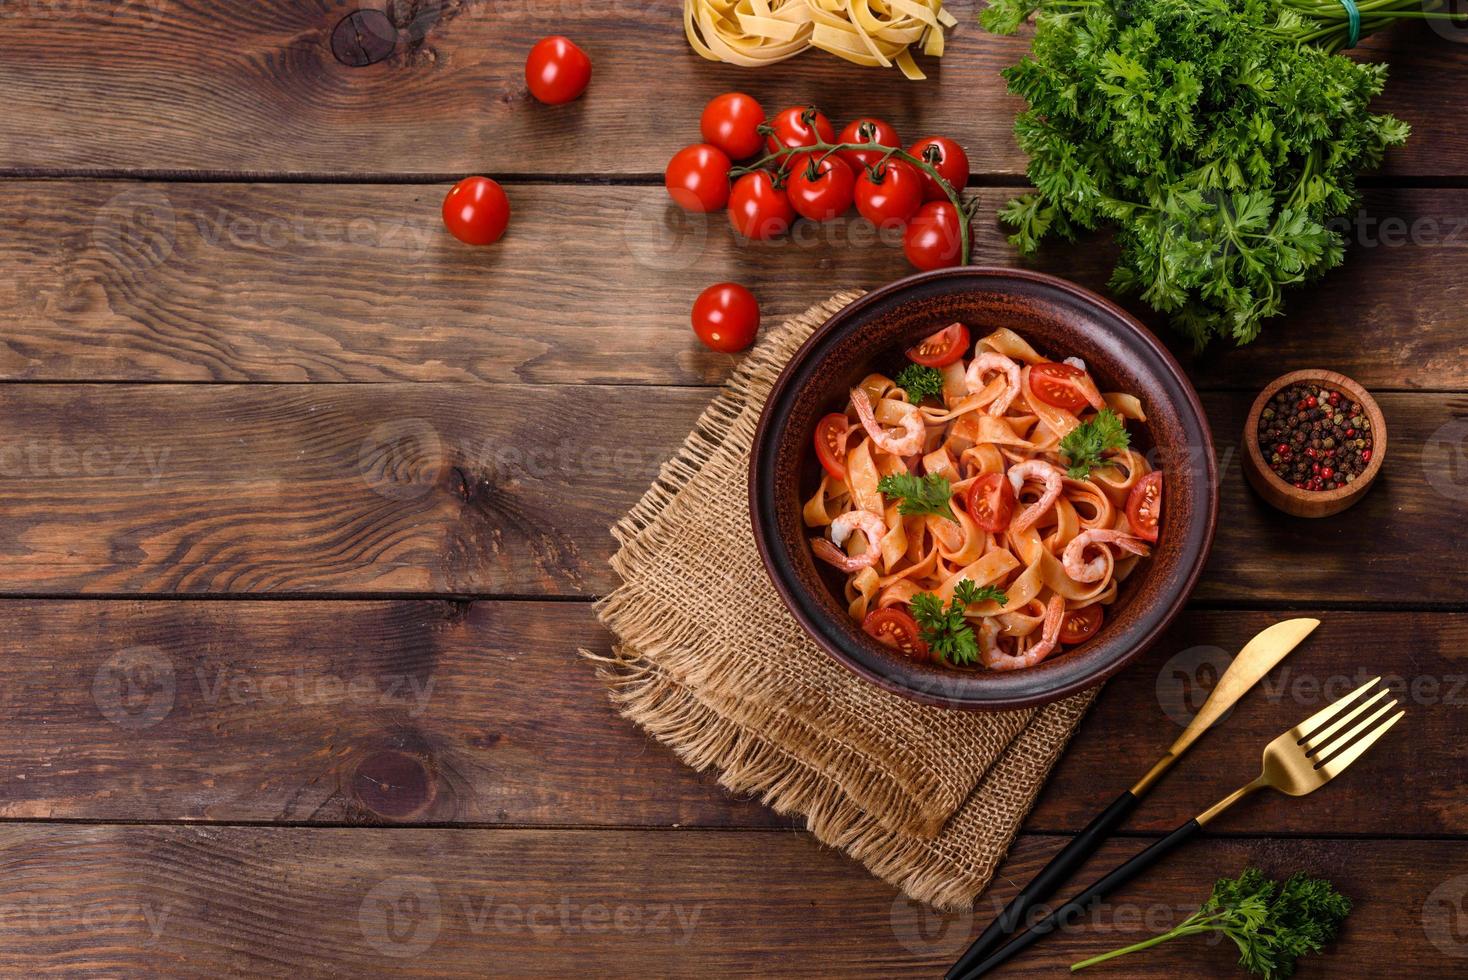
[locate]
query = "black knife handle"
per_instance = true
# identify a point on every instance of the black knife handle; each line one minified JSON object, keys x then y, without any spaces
{"x":1044,"y":884}
{"x":1073,"y":910}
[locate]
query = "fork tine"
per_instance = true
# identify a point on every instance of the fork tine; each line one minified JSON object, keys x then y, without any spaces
{"x":1342,"y":742}
{"x":1338,"y":765}
{"x":1318,"y":739}
{"x":1311,"y":725}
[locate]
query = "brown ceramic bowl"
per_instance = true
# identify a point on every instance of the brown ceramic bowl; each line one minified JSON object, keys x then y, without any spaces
{"x":1060,"y":319}
{"x":1312,"y":503}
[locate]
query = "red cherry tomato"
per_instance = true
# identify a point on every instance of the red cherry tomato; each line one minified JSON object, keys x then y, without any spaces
{"x":949,"y":159}
{"x":731,"y":122}
{"x":895,"y":628}
{"x":942,"y":348}
{"x":889,"y":195}
{"x":556,"y":70}
{"x":759,"y":209}
{"x":697,"y":178}
{"x":476,"y":211}
{"x":799,"y":126}
{"x":1144,"y":506}
{"x":1055,"y":383}
{"x":1080,"y":625}
{"x":726,"y":317}
{"x":825,"y":195}
{"x":932,"y":238}
{"x":866,"y":130}
{"x":991,"y":501}
{"x":831,"y":433}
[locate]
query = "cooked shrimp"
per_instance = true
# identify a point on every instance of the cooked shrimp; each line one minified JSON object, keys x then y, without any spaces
{"x":853,"y":520}
{"x":1048,"y":474}
{"x":1074,"y":558}
{"x":994,"y":361}
{"x":995,"y":659}
{"x":908,"y":444}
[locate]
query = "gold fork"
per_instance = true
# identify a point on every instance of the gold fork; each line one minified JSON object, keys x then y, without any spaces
{"x":1299,"y":761}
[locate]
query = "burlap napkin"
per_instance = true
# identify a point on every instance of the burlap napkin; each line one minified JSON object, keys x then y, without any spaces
{"x":709,"y":662}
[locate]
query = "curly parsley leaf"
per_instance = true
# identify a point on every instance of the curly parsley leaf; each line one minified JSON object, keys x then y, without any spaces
{"x":919,"y":494}
{"x":920,"y":382}
{"x":1084,"y":445}
{"x":972,"y":594}
{"x":945,"y":630}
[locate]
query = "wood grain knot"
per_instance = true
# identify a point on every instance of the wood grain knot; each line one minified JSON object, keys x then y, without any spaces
{"x":363,"y":37}
{"x":394,"y":784}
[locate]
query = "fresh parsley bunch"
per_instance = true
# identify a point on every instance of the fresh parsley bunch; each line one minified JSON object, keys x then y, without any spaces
{"x":1220,"y":138}
{"x":945,"y":630}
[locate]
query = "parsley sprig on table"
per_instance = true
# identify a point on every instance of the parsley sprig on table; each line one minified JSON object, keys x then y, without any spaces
{"x":920,"y":382}
{"x":1086,"y":444}
{"x":1272,"y":924}
{"x":919,"y":494}
{"x":945,"y":630}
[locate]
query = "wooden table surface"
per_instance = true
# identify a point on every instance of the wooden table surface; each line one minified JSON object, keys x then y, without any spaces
{"x":291,"y":608}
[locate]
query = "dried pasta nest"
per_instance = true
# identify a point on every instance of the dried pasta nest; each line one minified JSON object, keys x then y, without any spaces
{"x":867,"y":32}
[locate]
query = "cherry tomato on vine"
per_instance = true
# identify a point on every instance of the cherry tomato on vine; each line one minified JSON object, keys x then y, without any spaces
{"x":932,"y":238}
{"x":831,"y":433}
{"x":1080,"y":625}
{"x":1144,"y":506}
{"x":866,"y":130}
{"x":890,"y":194}
{"x":800,"y":126}
{"x":697,"y":178}
{"x":731,"y":122}
{"x":821,"y":189}
{"x":1056,"y":384}
{"x":897,"y":629}
{"x":949,"y":160}
{"x":476,"y":211}
{"x":726,"y":317}
{"x":759,"y":209}
{"x":557,"y":70}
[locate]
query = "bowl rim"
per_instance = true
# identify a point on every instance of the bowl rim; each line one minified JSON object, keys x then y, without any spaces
{"x":795,"y":603}
{"x":1329,"y":379}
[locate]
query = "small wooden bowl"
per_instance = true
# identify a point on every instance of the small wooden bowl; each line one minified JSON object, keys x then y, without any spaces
{"x":1312,"y":503}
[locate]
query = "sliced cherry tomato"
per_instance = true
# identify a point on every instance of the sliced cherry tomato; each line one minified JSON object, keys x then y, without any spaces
{"x":759,"y":209}
{"x":991,"y":502}
{"x":697,"y":178}
{"x":1055,"y":383}
{"x":942,"y":348}
{"x":895,"y":628}
{"x":1080,"y":625}
{"x":557,"y":71}
{"x":1144,"y":506}
{"x":890,"y":194}
{"x":726,"y":317}
{"x":950,"y":161}
{"x":476,"y":211}
{"x":799,"y":126}
{"x":932,"y":238}
{"x":731,"y":122}
{"x":866,"y":130}
{"x":831,"y":433}
{"x":821,"y":188}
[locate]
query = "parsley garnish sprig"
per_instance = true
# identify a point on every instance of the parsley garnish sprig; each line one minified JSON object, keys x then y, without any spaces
{"x":920,"y":382}
{"x":919,"y":494}
{"x":945,"y":630}
{"x":1084,"y":445}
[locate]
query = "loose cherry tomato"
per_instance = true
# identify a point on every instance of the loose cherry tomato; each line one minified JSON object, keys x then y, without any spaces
{"x":476,"y":211}
{"x":799,"y":126}
{"x":831,"y":433}
{"x":932,"y":238}
{"x":866,"y":130}
{"x":1055,"y":383}
{"x":1144,"y":506}
{"x":949,"y":160}
{"x":697,"y":178}
{"x":1081,"y":624}
{"x":759,"y":209}
{"x":991,"y":502}
{"x":824,"y":195}
{"x":895,"y":628}
{"x":557,"y":70}
{"x":890,"y":194}
{"x":942,"y":348}
{"x":726,"y":317}
{"x":731,"y":122}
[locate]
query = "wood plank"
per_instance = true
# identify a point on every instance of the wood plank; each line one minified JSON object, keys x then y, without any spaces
{"x":463,"y":489}
{"x":169,"y":85}
{"x":192,"y":901}
{"x":287,"y":283}
{"x":482,"y":713}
